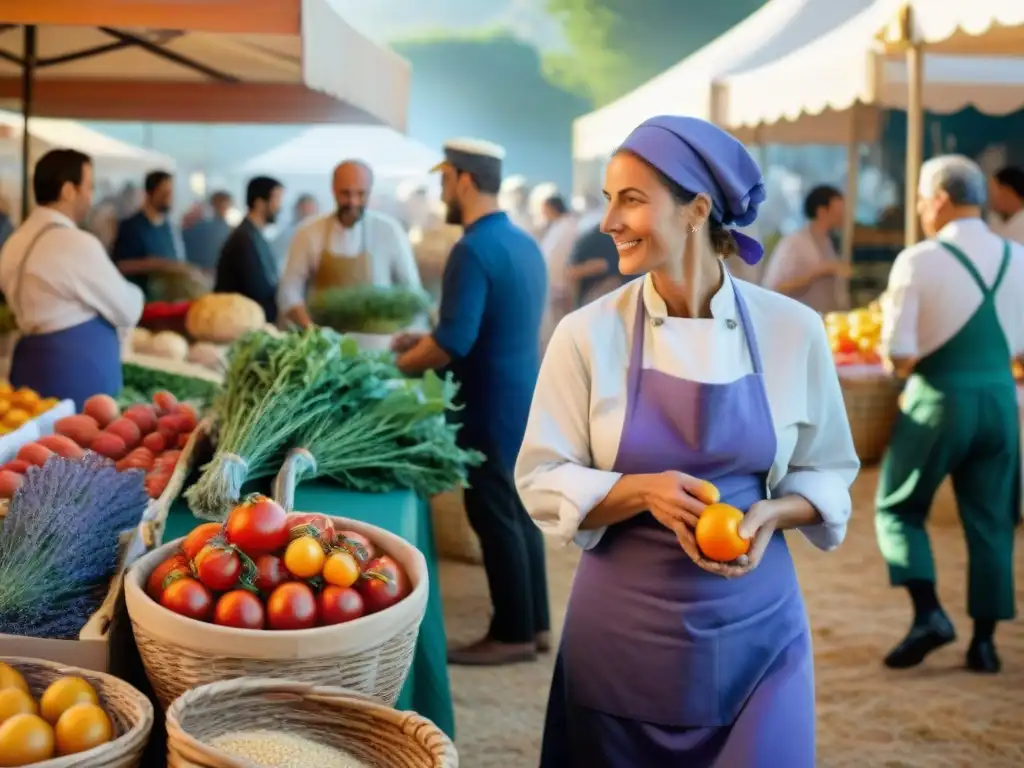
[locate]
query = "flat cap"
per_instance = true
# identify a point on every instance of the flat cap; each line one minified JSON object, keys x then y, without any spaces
{"x":473,"y":156}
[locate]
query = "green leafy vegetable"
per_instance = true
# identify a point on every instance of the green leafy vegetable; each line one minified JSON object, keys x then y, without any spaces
{"x":368,"y":308}
{"x":141,"y":383}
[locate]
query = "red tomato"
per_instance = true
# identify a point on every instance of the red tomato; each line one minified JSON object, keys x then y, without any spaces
{"x":339,"y":604}
{"x":188,"y":412}
{"x":386,"y":566}
{"x":218,"y":567}
{"x":103,"y":408}
{"x":35,"y":454}
{"x":379,"y":591}
{"x":62,"y":446}
{"x":183,"y":439}
{"x":174,"y":567}
{"x":356,"y":543}
{"x":258,"y":526}
{"x":188,"y":597}
{"x":126,"y":429}
{"x":80,"y":428}
{"x":169,"y":425}
{"x":198,"y":539}
{"x":270,"y":573}
{"x":10,"y":482}
{"x":291,"y":606}
{"x":320,"y":527}
{"x":170,"y":437}
{"x":16,"y":465}
{"x":144,"y":417}
{"x":109,"y":445}
{"x":239,"y":609}
{"x":164,"y":402}
{"x":154,"y":441}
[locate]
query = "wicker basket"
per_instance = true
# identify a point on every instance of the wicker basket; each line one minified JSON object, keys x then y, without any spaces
{"x":365,"y":729}
{"x":872,"y":406}
{"x":371,"y":655}
{"x":129,"y":711}
{"x":455,"y":537}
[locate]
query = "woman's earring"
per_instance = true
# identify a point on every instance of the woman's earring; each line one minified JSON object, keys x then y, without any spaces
{"x":694,"y":229}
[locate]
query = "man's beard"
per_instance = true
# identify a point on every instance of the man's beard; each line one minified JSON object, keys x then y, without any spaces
{"x":162,"y":208}
{"x":271,"y":217}
{"x":351,"y":213}
{"x":453,"y":213}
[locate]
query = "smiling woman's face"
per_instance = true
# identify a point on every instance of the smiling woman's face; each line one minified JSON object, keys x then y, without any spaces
{"x":648,"y":225}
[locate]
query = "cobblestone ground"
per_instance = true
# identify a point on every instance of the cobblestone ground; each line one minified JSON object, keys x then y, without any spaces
{"x":937,"y":716}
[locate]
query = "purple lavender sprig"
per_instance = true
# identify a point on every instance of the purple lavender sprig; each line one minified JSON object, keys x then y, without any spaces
{"x":59,"y":543}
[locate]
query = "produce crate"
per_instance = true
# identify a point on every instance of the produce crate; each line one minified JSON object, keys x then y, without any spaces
{"x":32,"y":430}
{"x":872,"y":407}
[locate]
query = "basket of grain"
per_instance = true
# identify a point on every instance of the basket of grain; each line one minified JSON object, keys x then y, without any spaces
{"x":872,"y":407}
{"x":128,"y":710}
{"x":370,"y":655}
{"x":252,"y":722}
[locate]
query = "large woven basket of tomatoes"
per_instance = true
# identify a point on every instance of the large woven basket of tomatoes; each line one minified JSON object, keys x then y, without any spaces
{"x":53,"y":716}
{"x":302,"y":597}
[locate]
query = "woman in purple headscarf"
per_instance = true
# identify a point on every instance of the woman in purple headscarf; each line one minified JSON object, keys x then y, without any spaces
{"x":681,"y":378}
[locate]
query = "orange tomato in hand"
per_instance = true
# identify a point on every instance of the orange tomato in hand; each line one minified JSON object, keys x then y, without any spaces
{"x":718,"y":535}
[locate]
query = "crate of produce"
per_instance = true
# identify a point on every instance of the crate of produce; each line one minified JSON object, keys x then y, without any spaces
{"x":26,"y":416}
{"x":306,"y":597}
{"x":71,"y":717}
{"x":872,"y":407}
{"x":294,"y":725}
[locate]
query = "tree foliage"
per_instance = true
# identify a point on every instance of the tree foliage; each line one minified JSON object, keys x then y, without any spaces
{"x":615,"y":45}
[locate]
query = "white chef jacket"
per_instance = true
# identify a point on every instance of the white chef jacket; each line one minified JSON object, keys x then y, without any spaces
{"x":572,"y":437}
{"x":556,"y":245}
{"x":1012,"y":228}
{"x":930,"y":295}
{"x":391,"y":257}
{"x":69,"y":278}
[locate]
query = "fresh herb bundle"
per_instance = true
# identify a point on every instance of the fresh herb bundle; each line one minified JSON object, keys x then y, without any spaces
{"x":368,"y":308}
{"x":59,"y":543}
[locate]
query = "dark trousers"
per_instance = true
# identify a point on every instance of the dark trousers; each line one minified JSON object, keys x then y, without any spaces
{"x":513,"y":552}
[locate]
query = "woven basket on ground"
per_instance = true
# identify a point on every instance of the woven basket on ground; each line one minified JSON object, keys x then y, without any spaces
{"x":455,"y":537}
{"x":872,"y":406}
{"x":371,"y":655}
{"x":129,"y":711}
{"x":354,"y":724}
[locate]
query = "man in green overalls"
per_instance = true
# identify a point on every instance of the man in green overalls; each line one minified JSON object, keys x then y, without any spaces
{"x":953,"y":327}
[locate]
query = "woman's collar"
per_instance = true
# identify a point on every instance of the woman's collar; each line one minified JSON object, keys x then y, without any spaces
{"x":723,"y":302}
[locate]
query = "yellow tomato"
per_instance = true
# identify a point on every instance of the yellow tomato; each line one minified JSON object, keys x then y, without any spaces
{"x":5,"y":406}
{"x":25,"y":739}
{"x":81,"y":728}
{"x":14,"y":701}
{"x":25,"y":398}
{"x":15,"y":417}
{"x":11,"y":678}
{"x":63,"y":694}
{"x":304,"y":557}
{"x":5,"y":387}
{"x":341,"y":569}
{"x":44,"y":405}
{"x":867,"y":344}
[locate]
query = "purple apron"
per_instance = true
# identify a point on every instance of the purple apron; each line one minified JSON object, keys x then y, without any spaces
{"x":662,"y":663}
{"x":74,"y":363}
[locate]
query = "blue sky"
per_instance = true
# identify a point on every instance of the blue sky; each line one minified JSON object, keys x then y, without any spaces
{"x":388,"y":19}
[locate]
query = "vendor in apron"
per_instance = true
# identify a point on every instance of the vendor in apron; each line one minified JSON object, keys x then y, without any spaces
{"x":953,"y":326}
{"x":349,"y":246}
{"x":67,"y":296}
{"x":678,"y":379}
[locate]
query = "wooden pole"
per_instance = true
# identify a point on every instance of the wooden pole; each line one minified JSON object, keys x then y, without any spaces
{"x":28,"y":76}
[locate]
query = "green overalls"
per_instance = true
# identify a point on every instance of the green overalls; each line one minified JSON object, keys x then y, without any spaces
{"x":959,"y":418}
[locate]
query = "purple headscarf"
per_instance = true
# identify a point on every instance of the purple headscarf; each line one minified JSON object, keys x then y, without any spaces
{"x":700,"y":157}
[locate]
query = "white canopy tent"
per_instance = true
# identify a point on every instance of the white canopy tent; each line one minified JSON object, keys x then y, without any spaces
{"x":390,"y":154}
{"x":857,"y":71}
{"x":690,"y":87}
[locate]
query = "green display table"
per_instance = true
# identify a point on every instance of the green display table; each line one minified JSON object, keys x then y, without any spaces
{"x":427,"y":691}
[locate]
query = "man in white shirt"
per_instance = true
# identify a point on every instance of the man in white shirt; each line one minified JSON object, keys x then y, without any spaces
{"x":69,"y":299}
{"x":953,"y":324}
{"x":560,"y":233}
{"x":1006,"y":201}
{"x":805,"y":265}
{"x":348,"y":246}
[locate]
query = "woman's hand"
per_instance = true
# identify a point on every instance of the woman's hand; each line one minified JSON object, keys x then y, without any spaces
{"x":758,"y":525}
{"x":676,"y":499}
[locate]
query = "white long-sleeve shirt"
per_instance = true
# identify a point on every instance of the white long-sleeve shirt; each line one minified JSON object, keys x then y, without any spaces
{"x":391,"y":257}
{"x":931,"y":296}
{"x":579,"y":406}
{"x":69,"y":278}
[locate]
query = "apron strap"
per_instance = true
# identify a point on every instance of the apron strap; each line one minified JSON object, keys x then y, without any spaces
{"x":636,"y":354}
{"x":19,"y":285}
{"x":967,"y":264}
{"x":748,"y":329}
{"x":1003,"y":267}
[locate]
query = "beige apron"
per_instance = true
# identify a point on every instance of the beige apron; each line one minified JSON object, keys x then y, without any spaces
{"x":341,"y":271}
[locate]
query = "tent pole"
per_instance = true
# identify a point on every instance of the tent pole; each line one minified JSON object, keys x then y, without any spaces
{"x":850,"y":209}
{"x":915,"y":141}
{"x":28,"y":74}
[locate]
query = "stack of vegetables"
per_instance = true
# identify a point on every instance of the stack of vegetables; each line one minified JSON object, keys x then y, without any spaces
{"x":19,"y":406}
{"x":368,"y":308}
{"x":59,"y":543}
{"x":266,"y":569}
{"x":141,"y":384}
{"x":357,"y":420}
{"x":147,"y":437}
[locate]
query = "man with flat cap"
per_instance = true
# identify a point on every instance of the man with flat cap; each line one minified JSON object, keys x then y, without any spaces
{"x":488,"y":335}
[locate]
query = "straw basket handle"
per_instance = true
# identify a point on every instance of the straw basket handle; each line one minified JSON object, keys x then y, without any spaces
{"x":298,"y":463}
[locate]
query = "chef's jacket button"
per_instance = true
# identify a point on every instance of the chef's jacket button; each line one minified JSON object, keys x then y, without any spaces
{"x":657,"y":321}
{"x":730,"y":324}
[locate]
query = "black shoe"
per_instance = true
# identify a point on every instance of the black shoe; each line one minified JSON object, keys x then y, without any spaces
{"x":926,"y":635}
{"x":982,"y":657}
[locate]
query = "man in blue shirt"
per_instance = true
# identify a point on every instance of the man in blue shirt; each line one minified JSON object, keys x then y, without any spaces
{"x":204,"y":239}
{"x":488,"y":335}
